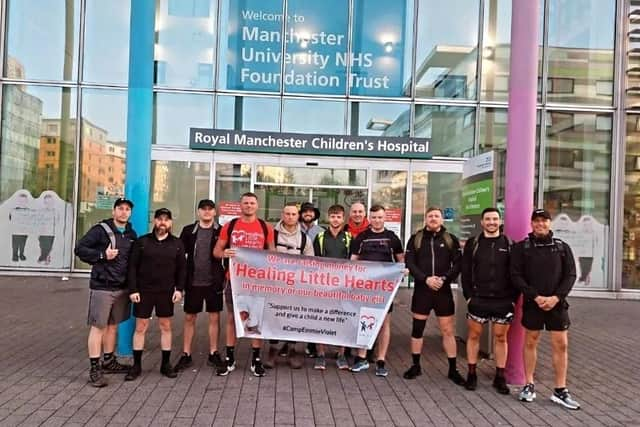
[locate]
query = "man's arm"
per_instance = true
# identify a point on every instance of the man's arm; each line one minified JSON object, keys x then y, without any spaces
{"x":89,"y":247}
{"x":410,"y":260}
{"x":466,"y":268}
{"x":221,"y":244}
{"x":132,"y":272}
{"x":317,"y":251}
{"x":456,"y":261}
{"x":181,"y":267}
{"x":568,"y":273}
{"x":517,"y":269}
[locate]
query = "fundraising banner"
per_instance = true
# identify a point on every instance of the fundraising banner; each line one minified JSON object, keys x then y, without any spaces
{"x":312,"y":299}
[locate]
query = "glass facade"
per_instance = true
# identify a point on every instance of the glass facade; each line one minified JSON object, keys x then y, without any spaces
{"x":422,"y":68}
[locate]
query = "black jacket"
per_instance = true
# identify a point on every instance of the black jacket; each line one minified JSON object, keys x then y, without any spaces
{"x":189,"y":236}
{"x":486,"y":274}
{"x":433,"y":259}
{"x":543,"y":267}
{"x":91,"y":248}
{"x":157,"y":265}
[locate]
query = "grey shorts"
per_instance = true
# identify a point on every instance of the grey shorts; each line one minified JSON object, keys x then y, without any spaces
{"x":108,"y":307}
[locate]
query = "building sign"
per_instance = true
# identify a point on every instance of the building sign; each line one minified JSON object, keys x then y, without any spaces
{"x":316,"y":41}
{"x":300,"y":143}
{"x":477,"y":192}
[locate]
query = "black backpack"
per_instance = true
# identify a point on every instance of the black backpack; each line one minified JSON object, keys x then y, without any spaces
{"x":303,"y":243}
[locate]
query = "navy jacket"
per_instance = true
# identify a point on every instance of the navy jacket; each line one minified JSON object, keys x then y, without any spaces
{"x":91,"y":248}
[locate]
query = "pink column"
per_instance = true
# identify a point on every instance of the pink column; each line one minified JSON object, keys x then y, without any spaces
{"x":521,"y":146}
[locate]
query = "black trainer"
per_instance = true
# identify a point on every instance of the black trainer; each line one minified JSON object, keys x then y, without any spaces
{"x":214,"y":360}
{"x":133,"y":373}
{"x":185,"y":362}
{"x":413,"y":372}
{"x":114,"y":367}
{"x":456,"y":378}
{"x":226,"y":367}
{"x":96,"y":377}
{"x":257,"y":368}
{"x":500,"y":384}
{"x":284,"y":350}
{"x":168,"y":371}
{"x":472,"y":382}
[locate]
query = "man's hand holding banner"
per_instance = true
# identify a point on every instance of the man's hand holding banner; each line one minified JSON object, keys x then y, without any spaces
{"x":312,"y":299}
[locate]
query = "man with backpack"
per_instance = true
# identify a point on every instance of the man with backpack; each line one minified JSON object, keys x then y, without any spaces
{"x":377,"y":244}
{"x":290,"y":239}
{"x":247,"y":231}
{"x":335,"y":242}
{"x":204,"y":284}
{"x":433,"y":259}
{"x":543,"y":268}
{"x":490,"y":294}
{"x":107,"y":246}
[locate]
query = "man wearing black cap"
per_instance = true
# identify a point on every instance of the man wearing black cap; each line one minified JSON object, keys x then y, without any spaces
{"x":107,"y":246}
{"x":308,"y":216}
{"x":156,"y":281}
{"x":204,"y":284}
{"x":543,"y":268}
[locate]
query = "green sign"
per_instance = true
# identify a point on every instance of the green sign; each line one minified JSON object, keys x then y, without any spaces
{"x":476,"y":196}
{"x":299,"y":143}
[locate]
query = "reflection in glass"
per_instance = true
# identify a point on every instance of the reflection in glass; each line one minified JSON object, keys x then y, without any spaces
{"x":106,"y":41}
{"x":103,"y":147}
{"x":382,"y":32}
{"x":178,"y":186}
{"x":272,"y":198}
{"x":311,"y":176}
{"x":369,"y":118}
{"x":577,"y":186}
{"x":307,"y":116}
{"x":317,"y":45}
{"x":389,"y":190}
{"x":175,"y":113}
{"x":438,"y":189}
{"x":451,"y":129}
{"x":248,"y":113}
{"x":42,"y":41}
{"x":232,"y":180}
{"x":37,"y":161}
{"x":185,"y":45}
{"x":581,"y":60}
{"x":247,"y":61}
{"x":631,"y":224}
{"x":447,"y":49}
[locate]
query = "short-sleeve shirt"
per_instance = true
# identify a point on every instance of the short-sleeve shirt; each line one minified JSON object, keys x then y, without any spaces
{"x":372,"y":246}
{"x":247,"y":235}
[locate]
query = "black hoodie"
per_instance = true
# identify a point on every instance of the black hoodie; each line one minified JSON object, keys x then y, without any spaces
{"x":543,"y":267}
{"x":157,"y":265}
{"x":433,"y":259}
{"x":91,"y":248}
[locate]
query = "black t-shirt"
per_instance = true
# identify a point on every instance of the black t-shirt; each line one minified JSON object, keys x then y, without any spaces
{"x":372,"y":246}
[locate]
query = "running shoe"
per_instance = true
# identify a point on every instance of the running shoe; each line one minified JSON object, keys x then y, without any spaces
{"x":564,"y":398}
{"x":472,"y":382}
{"x":226,"y":368}
{"x":114,"y":367}
{"x":214,"y":359}
{"x":256,"y":368}
{"x":500,"y":384}
{"x":342,"y":363}
{"x":413,"y":372}
{"x":360,"y":365}
{"x":96,"y":377}
{"x":381,"y":369}
{"x":320,"y":362}
{"x":528,"y":393}
{"x":185,"y":362}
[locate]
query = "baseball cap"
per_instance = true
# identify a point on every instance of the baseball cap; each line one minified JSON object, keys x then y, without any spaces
{"x":206,"y":203}
{"x":162,"y":211}
{"x":540,"y":213}
{"x":121,"y":200}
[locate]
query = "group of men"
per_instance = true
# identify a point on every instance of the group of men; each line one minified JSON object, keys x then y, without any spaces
{"x":155,"y":271}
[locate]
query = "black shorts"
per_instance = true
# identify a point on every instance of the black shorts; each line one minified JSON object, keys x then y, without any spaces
{"x":536,"y":319}
{"x":161,"y":301}
{"x":195,"y":297}
{"x":425,"y":300}
{"x":483,"y":310}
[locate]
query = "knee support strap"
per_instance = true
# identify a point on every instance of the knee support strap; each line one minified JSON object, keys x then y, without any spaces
{"x":417,"y":329}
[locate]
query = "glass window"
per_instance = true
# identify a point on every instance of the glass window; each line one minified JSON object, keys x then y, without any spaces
{"x":451,"y":129}
{"x":232,"y":180}
{"x":178,"y":186}
{"x":496,"y":49}
{"x":582,"y":57}
{"x":175,"y":113}
{"x":311,"y":176}
{"x":248,"y":113}
{"x":631,"y":224}
{"x":186,"y":41}
{"x":576,"y":188}
{"x":250,"y":45}
{"x":106,"y":41}
{"x":103,"y":148}
{"x":379,"y":119}
{"x":389,"y":190}
{"x":37,"y":160}
{"x":306,"y":116}
{"x":382,"y":40}
{"x":440,"y":189}
{"x":42,"y":41}
{"x":316,"y":50}
{"x":447,"y":49}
